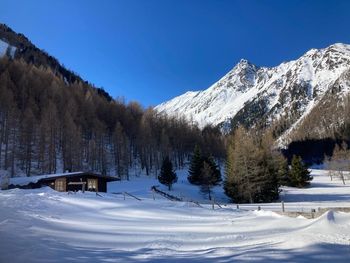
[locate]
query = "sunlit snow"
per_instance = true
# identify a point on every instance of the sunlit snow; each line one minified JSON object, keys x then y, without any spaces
{"x":43,"y":225}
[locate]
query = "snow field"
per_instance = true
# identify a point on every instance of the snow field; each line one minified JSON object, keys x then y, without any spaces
{"x":43,"y":225}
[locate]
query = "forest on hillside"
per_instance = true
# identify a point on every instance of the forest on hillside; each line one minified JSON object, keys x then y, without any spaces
{"x":49,"y":124}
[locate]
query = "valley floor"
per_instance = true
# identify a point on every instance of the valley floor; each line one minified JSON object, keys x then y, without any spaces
{"x":46,"y":226}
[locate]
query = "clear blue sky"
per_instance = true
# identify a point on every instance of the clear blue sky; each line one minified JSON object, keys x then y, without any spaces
{"x":151,"y":51}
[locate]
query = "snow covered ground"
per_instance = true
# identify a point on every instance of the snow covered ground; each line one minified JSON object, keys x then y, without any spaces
{"x":4,"y":46}
{"x":322,"y":193}
{"x":46,"y":226}
{"x":141,"y":186}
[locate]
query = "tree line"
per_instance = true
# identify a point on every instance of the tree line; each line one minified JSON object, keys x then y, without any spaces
{"x":49,"y":125}
{"x":254,"y":169}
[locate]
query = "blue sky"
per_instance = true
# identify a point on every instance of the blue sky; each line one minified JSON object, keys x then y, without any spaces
{"x":151,"y":51}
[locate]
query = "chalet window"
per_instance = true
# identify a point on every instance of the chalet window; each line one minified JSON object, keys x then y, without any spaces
{"x":92,"y":184}
{"x":60,"y":185}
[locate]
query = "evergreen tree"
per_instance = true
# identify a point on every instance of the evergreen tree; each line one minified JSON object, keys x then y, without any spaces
{"x":239,"y":184}
{"x":299,"y":174}
{"x":282,"y":171}
{"x":194,"y":171}
{"x":167,"y":175}
{"x":251,"y":170}
{"x":271,"y":170}
{"x":196,"y":166}
{"x":210,"y":176}
{"x":207,"y":179}
{"x":216,"y":174}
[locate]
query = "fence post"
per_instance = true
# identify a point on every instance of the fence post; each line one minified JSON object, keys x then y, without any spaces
{"x":282,"y":206}
{"x":313,"y":211}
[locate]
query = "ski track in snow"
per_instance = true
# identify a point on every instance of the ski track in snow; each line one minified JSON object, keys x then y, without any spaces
{"x":43,"y":225}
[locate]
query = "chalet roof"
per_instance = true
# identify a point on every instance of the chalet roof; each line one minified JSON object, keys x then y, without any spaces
{"x":24,"y":180}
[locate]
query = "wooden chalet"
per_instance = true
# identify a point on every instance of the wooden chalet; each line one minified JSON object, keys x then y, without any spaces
{"x":76,"y":181}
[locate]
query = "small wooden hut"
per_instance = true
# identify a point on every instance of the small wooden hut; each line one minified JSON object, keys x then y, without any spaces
{"x":75,"y":181}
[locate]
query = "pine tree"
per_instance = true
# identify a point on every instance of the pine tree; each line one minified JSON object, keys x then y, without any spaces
{"x":216,"y":174}
{"x":239,"y":183}
{"x":251,"y":170}
{"x":194,"y":171}
{"x":282,"y":171}
{"x":167,"y":175}
{"x":210,"y":176}
{"x":207,"y":179}
{"x":299,"y":174}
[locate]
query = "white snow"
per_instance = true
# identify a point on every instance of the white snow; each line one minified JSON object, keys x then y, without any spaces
{"x":323,"y":193}
{"x":141,"y":185}
{"x":43,"y":225}
{"x":5,"y":47}
{"x":24,"y":180}
{"x":318,"y":68}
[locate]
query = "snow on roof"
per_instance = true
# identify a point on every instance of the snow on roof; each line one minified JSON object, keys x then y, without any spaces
{"x":24,"y":180}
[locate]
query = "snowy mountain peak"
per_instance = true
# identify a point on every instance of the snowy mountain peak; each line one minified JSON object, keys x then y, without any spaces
{"x":340,"y":46}
{"x":243,"y":63}
{"x":249,"y":94}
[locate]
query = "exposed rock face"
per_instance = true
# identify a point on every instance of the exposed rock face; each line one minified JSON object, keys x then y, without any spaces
{"x":250,"y":95}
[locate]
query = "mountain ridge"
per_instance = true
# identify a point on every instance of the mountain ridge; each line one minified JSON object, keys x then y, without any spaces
{"x":248,"y":94}
{"x":16,"y":45}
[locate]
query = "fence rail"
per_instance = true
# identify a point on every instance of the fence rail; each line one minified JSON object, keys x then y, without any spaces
{"x":166,"y":195}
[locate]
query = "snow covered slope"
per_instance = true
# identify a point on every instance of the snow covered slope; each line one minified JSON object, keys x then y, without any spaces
{"x":46,"y":226}
{"x":248,"y":94}
{"x":5,"y":48}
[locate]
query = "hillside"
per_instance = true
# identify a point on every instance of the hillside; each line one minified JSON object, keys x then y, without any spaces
{"x":53,"y":121}
{"x":283,"y":96}
{"x":19,"y":46}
